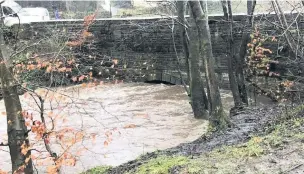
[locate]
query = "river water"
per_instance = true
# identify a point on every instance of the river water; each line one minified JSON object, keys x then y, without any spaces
{"x":141,"y":118}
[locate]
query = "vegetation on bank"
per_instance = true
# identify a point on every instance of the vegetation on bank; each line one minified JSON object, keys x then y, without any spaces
{"x":55,"y":68}
{"x":285,"y":134}
{"x":97,"y":170}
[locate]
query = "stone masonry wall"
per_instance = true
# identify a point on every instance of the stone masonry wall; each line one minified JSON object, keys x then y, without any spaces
{"x":144,"y":47}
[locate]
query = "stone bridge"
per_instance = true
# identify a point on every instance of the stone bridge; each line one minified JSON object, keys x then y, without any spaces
{"x":144,"y":47}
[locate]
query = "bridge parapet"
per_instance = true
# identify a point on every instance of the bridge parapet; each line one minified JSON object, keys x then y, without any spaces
{"x":144,"y":45}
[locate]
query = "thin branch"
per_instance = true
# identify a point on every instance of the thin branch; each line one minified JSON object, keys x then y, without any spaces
{"x":3,"y":144}
{"x":282,"y":19}
{"x":25,"y":48}
{"x":178,"y":61}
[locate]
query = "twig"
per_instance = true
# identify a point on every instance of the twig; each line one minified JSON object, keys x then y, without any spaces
{"x":282,"y":19}
{"x":293,"y":168}
{"x":178,"y":61}
{"x":29,"y":46}
{"x":2,"y":144}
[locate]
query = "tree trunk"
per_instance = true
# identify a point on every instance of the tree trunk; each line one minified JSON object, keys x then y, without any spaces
{"x":16,"y":129}
{"x":200,"y":16}
{"x":231,"y":54}
{"x":183,"y":33}
{"x":198,"y":95}
{"x":243,"y":51}
{"x":68,"y":5}
{"x":180,"y":5}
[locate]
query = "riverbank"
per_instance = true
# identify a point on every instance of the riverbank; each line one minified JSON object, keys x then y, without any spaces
{"x":263,"y":140}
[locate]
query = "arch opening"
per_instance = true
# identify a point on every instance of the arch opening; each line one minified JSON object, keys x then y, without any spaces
{"x":158,"y":82}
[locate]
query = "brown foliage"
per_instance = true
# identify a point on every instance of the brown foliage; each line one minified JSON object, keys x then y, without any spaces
{"x":88,"y":20}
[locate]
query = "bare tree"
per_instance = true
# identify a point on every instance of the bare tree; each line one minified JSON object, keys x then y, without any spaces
{"x":198,"y":95}
{"x":16,"y":128}
{"x":287,"y":35}
{"x":200,"y":16}
{"x":181,"y":5}
{"x":192,"y":56}
{"x":68,"y":5}
{"x":240,"y":57}
{"x":236,"y":58}
{"x":226,"y":5}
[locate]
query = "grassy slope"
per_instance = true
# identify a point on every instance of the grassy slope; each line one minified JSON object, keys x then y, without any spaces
{"x":214,"y":7}
{"x":279,"y":149}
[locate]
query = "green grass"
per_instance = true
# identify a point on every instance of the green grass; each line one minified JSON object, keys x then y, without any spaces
{"x":138,"y":11}
{"x":98,"y":170}
{"x":162,"y":164}
{"x":227,"y":159}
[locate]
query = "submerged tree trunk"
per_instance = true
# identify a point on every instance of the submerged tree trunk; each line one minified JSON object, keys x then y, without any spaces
{"x":231,"y":54}
{"x":200,"y":16}
{"x":16,"y":129}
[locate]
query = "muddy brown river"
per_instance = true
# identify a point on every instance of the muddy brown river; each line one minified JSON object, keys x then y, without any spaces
{"x":142,"y":118}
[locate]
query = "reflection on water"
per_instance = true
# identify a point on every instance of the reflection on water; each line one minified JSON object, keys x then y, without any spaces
{"x":160,"y":116}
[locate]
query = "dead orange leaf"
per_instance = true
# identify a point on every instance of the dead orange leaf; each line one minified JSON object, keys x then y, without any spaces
{"x":142,"y":115}
{"x":49,"y":69}
{"x":93,"y":137}
{"x":115,"y":61}
{"x":81,"y":78}
{"x":105,"y":143}
{"x":3,"y":172}
{"x":130,"y":126}
{"x":74,"y":79}
{"x":51,"y":169}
